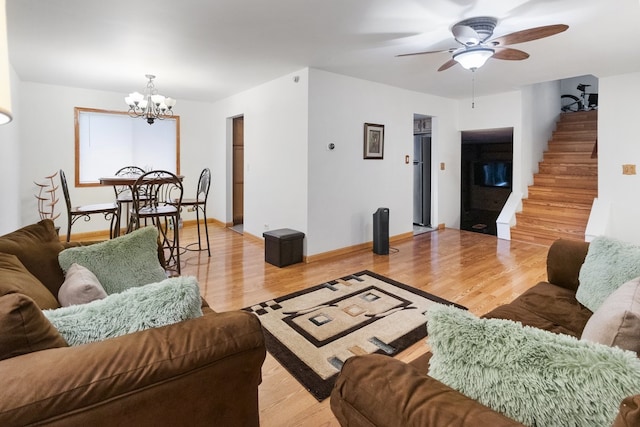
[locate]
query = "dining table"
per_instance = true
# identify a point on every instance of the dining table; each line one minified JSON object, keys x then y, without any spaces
{"x":129,"y":181}
{"x":124,"y":180}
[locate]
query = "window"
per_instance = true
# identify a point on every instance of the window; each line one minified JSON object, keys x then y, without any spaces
{"x":108,"y":140}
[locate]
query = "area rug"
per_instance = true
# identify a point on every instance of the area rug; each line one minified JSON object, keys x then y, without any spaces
{"x":312,"y":332}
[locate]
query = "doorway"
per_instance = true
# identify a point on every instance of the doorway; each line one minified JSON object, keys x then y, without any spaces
{"x":421,"y":173}
{"x":238,"y":173}
{"x":486,"y":181}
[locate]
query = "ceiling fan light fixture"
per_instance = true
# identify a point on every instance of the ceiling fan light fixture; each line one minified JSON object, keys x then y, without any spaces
{"x":472,"y":59}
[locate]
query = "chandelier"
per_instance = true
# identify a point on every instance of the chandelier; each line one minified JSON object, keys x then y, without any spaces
{"x":150,"y":105}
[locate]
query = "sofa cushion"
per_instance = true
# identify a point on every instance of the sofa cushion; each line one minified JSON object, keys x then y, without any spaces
{"x":37,"y":247}
{"x":120,"y":263}
{"x":15,"y":278}
{"x":617,"y":321}
{"x":138,"y":308}
{"x":531,"y":375}
{"x":546,"y":306}
{"x":80,"y":287}
{"x":609,"y":264}
{"x":23,"y":327}
{"x":564,"y":261}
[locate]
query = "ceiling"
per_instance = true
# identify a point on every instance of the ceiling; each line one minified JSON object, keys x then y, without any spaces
{"x":208,"y":50}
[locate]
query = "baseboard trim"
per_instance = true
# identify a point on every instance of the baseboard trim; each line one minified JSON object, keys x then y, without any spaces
{"x":355,"y":248}
{"x":104,"y":234}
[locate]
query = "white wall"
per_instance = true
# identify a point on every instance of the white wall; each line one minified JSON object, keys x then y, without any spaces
{"x":540,"y":112}
{"x":293,"y":181}
{"x":10,"y":163}
{"x":617,"y":145}
{"x":497,"y":111}
{"x":275,"y":154}
{"x":345,"y":189}
{"x":47,"y":145}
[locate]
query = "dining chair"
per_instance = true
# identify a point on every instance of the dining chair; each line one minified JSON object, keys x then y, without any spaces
{"x":123,"y":192}
{"x":157,"y":197}
{"x":199,"y":203}
{"x":109,"y":210}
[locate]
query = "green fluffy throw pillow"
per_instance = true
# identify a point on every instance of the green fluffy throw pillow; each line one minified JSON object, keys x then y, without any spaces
{"x":120,"y":263}
{"x":533,"y":376}
{"x":608,"y":265}
{"x":158,"y":304}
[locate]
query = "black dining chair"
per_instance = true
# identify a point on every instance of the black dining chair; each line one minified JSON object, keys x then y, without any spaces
{"x":123,"y":192}
{"x":157,"y":197}
{"x":199,"y":204}
{"x":108,"y":210}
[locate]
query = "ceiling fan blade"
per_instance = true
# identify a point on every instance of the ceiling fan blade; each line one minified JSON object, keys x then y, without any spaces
{"x":509,"y":54}
{"x":427,"y":52}
{"x":528,"y":35}
{"x":465,"y":35}
{"x":450,"y":63}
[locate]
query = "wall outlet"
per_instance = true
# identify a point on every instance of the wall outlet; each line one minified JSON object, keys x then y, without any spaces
{"x":628,"y":169}
{"x":266,"y":227}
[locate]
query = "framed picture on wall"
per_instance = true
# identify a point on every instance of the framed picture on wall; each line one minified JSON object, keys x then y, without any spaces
{"x":373,"y":141}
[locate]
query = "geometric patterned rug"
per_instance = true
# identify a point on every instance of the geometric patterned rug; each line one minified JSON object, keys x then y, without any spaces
{"x":312,"y":332}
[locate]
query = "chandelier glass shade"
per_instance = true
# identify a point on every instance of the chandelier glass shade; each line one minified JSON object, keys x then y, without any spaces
{"x":473,"y":58}
{"x":150,"y":105}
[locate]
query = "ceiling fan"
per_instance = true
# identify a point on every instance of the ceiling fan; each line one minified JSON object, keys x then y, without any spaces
{"x":477,"y":46}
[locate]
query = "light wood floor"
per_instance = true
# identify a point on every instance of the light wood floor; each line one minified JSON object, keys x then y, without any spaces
{"x":476,"y":270}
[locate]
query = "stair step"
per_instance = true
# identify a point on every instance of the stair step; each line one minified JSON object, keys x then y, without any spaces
{"x":575,"y":135}
{"x":562,"y":195}
{"x":563,"y":157}
{"x":571,"y":146}
{"x":555,"y":223}
{"x":577,"y":126}
{"x":579,"y":116}
{"x":524,"y":220}
{"x":566,"y":181}
{"x":541,"y":237}
{"x":557,"y":210}
{"x":590,"y":169}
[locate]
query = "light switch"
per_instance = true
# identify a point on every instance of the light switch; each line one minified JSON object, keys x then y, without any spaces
{"x":406,"y":159}
{"x":628,"y":169}
{"x":442,"y":166}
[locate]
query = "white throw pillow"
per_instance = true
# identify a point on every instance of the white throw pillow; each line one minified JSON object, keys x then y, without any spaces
{"x":617,"y":322}
{"x":80,"y":286}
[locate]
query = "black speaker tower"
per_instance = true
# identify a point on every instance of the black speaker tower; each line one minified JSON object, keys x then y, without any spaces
{"x":381,"y":231}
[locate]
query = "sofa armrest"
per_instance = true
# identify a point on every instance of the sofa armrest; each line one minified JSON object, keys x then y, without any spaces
{"x":564,"y":260}
{"x":198,"y":370}
{"x":629,"y":413}
{"x":376,"y":390}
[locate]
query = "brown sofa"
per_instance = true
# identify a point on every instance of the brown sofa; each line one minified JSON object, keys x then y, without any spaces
{"x":200,"y":372}
{"x":376,"y":390}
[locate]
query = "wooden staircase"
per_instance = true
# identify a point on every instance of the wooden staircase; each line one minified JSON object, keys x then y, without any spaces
{"x":563,"y":190}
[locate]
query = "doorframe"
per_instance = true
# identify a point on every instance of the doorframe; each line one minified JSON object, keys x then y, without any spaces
{"x":433,"y":217}
{"x":229,"y":170}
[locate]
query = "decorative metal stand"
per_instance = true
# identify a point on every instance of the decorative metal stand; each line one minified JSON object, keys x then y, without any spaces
{"x":47,"y":198}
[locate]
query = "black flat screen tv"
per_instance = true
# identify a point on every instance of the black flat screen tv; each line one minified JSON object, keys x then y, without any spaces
{"x":492,"y":174}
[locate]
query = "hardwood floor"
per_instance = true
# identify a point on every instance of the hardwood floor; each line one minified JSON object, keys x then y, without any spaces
{"x":476,"y":270}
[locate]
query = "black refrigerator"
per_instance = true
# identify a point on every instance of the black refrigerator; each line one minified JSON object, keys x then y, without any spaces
{"x":422,"y":180}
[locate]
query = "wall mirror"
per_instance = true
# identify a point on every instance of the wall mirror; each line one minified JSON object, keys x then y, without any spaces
{"x":106,"y":140}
